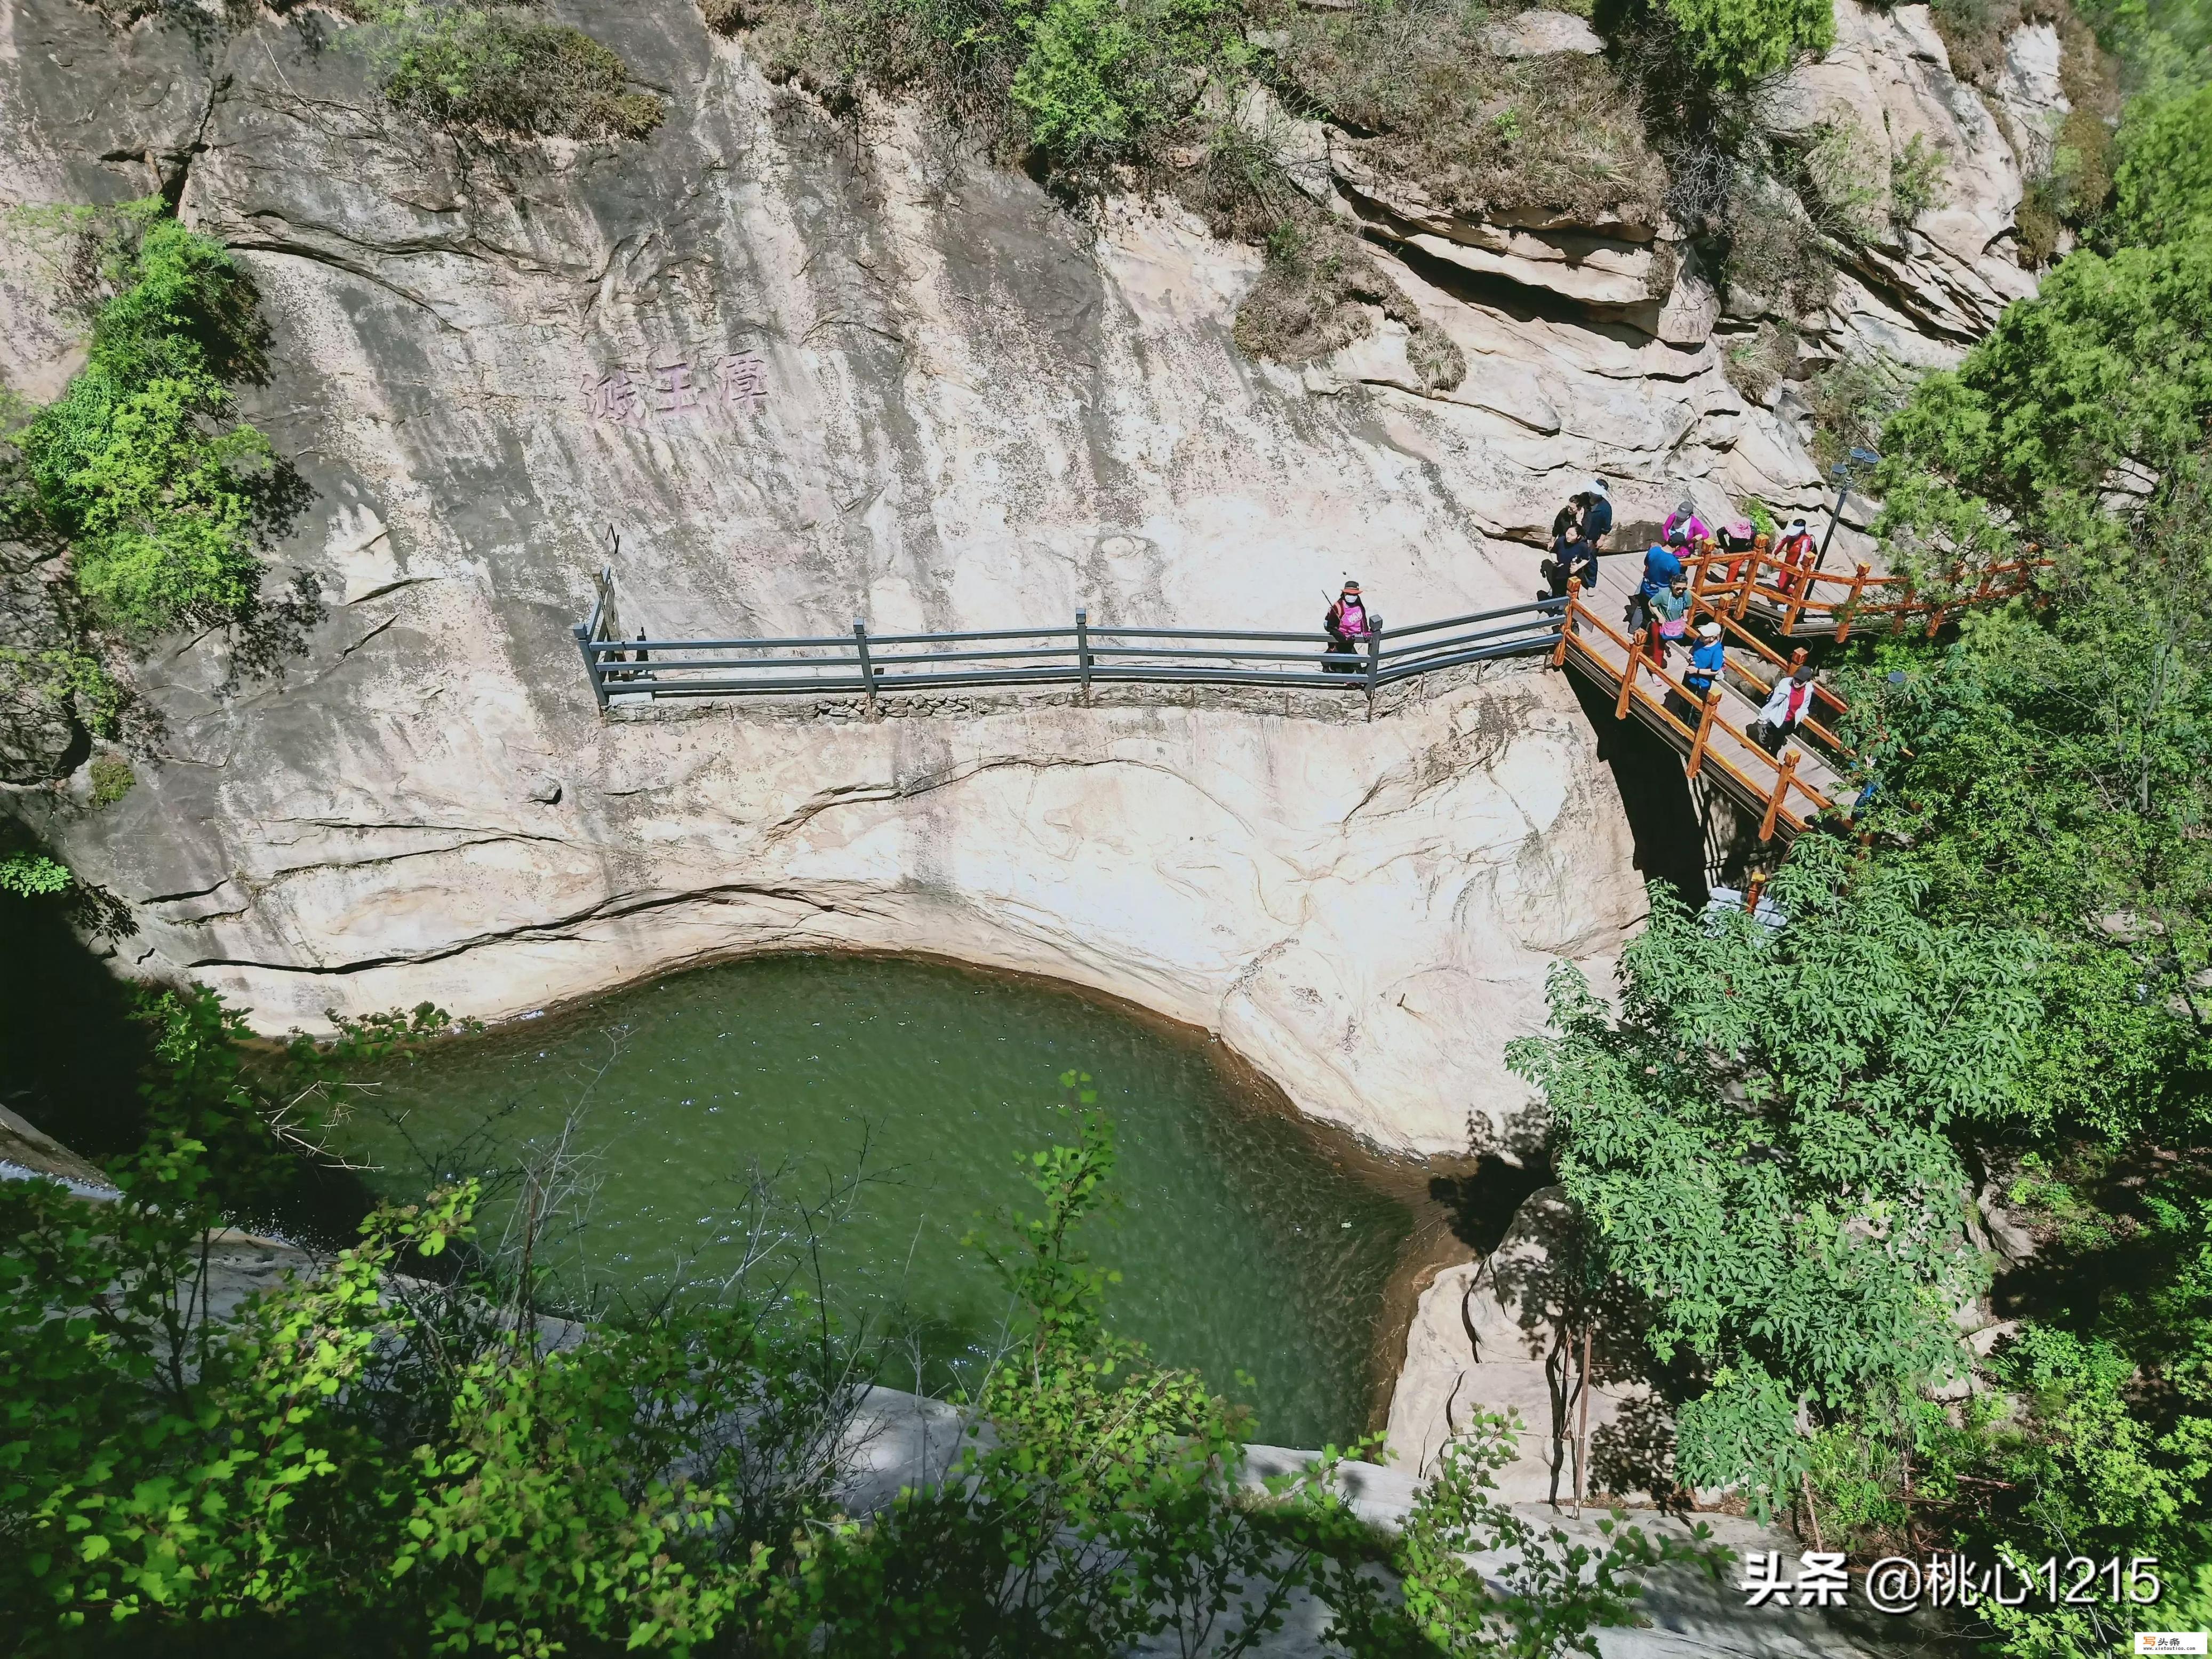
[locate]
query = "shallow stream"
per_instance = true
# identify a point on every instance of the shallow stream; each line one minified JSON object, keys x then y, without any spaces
{"x":1248,"y":1239}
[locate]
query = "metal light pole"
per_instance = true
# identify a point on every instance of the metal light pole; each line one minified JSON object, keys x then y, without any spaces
{"x":1841,"y":472}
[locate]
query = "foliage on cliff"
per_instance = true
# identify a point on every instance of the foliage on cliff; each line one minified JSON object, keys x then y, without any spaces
{"x":506,"y":68}
{"x":143,"y":465}
{"x":392,"y":1454}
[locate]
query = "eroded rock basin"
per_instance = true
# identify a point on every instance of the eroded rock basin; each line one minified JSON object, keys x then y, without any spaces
{"x":1250,"y":1239}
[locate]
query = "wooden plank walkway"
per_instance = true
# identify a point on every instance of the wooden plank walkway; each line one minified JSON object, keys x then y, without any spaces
{"x":1784,"y":793}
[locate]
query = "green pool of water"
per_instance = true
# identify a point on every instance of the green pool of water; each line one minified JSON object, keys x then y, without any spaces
{"x":1243,"y":1243}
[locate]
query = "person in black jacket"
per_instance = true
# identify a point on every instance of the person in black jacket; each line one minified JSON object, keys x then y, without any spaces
{"x":1596,"y":520}
{"x":1571,"y":557}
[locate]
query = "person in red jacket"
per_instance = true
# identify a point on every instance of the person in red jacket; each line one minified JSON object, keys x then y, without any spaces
{"x":1797,"y":553}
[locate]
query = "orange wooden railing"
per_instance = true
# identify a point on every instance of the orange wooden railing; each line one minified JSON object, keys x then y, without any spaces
{"x":1774,"y":794}
{"x":1734,"y":582}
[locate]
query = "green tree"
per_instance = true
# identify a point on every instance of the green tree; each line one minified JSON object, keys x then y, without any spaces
{"x":2164,"y":184}
{"x":2101,"y":385}
{"x":1765,"y":1145}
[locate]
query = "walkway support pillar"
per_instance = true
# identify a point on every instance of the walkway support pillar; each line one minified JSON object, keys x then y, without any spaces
{"x":1704,"y":728}
{"x":1782,"y":780}
{"x":592,"y":665}
{"x":1628,"y":676}
{"x":1374,"y":660}
{"x":868,"y":665}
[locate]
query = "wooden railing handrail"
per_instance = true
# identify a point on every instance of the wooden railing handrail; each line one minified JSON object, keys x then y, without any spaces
{"x":1796,"y":590}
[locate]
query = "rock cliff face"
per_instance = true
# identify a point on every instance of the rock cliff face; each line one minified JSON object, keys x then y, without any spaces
{"x":811,"y":371}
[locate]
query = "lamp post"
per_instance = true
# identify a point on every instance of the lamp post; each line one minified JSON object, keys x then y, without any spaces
{"x":1842,"y":474}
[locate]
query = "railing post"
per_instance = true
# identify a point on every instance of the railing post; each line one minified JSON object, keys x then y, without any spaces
{"x":610,"y":626}
{"x":1754,"y":890}
{"x":1628,"y":675}
{"x":867,"y":667}
{"x":1567,"y":620}
{"x":1704,"y":727}
{"x":1374,"y":660}
{"x":1797,"y":662}
{"x":591,"y":665}
{"x":1083,"y":651}
{"x":1782,"y":779}
{"x":1851,"y":603}
{"x":1799,"y":591}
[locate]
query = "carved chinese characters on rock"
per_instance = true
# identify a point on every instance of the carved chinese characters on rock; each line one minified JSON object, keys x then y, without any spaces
{"x":734,"y":384}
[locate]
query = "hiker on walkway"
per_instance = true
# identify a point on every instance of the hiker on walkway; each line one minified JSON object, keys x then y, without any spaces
{"x":1662,"y":563}
{"x":1708,"y":661}
{"x":1572,"y":558}
{"x":1670,"y":618}
{"x":1596,"y":505}
{"x":1788,"y":706}
{"x":1685,"y":519}
{"x":1797,"y":553}
{"x":1346,"y":625}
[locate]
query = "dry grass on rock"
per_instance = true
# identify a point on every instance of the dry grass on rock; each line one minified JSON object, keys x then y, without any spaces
{"x":1319,"y":291}
{"x":1478,"y":133}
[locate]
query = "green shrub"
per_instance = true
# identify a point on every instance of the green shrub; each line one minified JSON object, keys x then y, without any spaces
{"x":142,"y":463}
{"x":1737,"y":42}
{"x":111,"y":778}
{"x":28,"y":875}
{"x":1086,"y":87}
{"x":1835,"y":181}
{"x":1915,"y":182}
{"x":458,"y":64}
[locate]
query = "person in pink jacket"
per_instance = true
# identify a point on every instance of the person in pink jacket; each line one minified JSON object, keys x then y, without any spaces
{"x":1685,"y":519}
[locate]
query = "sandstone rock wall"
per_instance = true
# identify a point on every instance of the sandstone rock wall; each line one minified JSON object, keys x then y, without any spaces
{"x":810,"y":372}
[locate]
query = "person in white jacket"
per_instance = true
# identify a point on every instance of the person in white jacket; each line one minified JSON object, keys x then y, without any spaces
{"x":1786,"y":706}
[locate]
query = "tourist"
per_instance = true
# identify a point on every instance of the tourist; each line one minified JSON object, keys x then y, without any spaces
{"x":1786,"y":708}
{"x":1670,"y":617}
{"x":1346,"y":625}
{"x":1795,"y":554}
{"x":1572,"y":558}
{"x":1596,"y":503}
{"x":1708,"y":660}
{"x":1685,"y":519}
{"x":1663,"y":564}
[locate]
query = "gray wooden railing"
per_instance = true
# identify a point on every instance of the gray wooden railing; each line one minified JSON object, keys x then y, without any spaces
{"x":880,"y":664}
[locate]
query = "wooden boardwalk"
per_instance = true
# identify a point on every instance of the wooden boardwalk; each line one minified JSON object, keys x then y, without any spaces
{"x":1784,"y":793}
